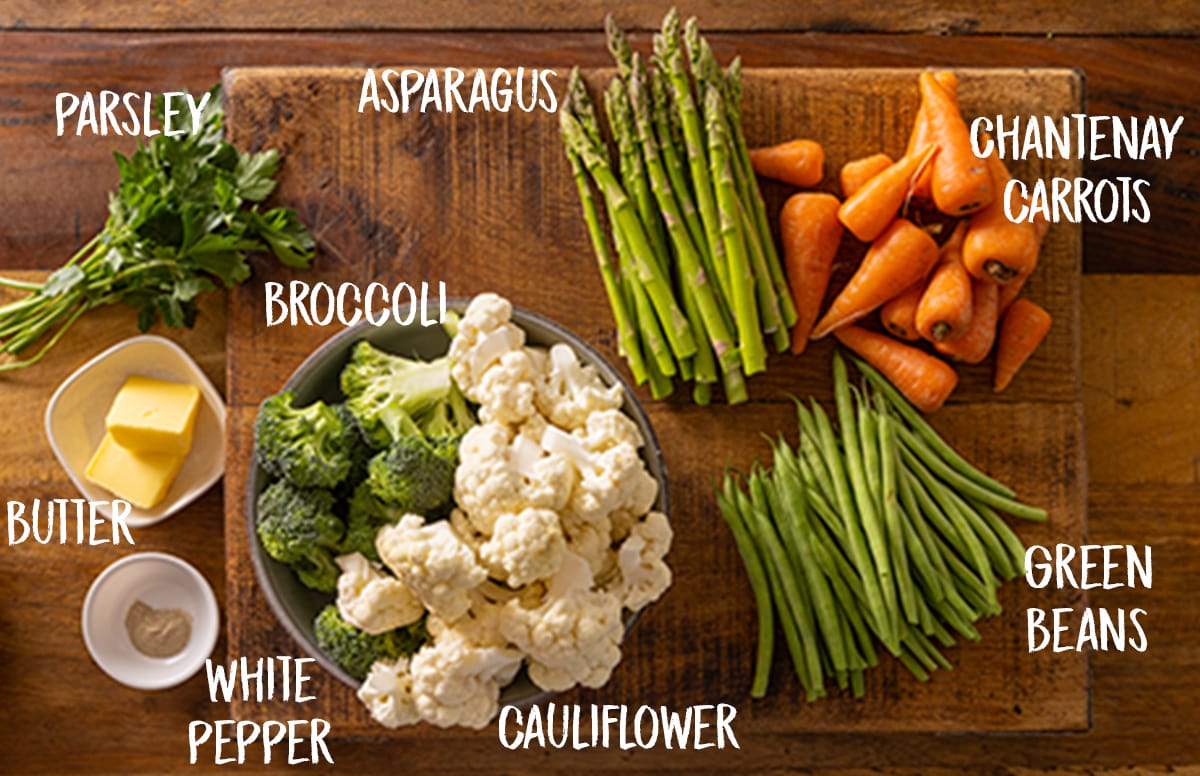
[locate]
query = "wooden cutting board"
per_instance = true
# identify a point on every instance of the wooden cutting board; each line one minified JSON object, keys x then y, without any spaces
{"x":486,"y":202}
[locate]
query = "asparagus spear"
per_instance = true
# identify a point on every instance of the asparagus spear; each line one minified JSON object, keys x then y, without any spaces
{"x":694,"y":279}
{"x":627,"y":336}
{"x":741,"y":278}
{"x":670,"y":59}
{"x":660,"y":360}
{"x":661,"y":113}
{"x":626,"y":220}
{"x":633,"y":171}
{"x":708,"y":71}
{"x":764,"y":291}
{"x":750,"y":190}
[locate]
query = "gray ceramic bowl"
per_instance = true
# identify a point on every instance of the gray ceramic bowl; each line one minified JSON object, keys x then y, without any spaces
{"x":318,"y":378}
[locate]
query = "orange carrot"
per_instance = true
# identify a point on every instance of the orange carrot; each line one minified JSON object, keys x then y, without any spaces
{"x":976,"y":342}
{"x":902,"y":255}
{"x":857,"y":172}
{"x":944,"y":312}
{"x":1023,"y":329}
{"x":925,"y":380}
{"x":811,"y":233}
{"x":1009,"y":291}
{"x":869,"y":211}
{"x":798,"y":162}
{"x":995,"y":247}
{"x":899,"y":316}
{"x":921,"y":135}
{"x":961,"y":182}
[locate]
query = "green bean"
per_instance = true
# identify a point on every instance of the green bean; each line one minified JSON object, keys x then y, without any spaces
{"x":891,"y":514}
{"x":1011,"y":541}
{"x":913,"y":666}
{"x":919,"y":425}
{"x":795,"y":594}
{"x":951,"y":524}
{"x":759,"y":587}
{"x":795,"y":510}
{"x":1001,"y":561}
{"x":857,"y":686}
{"x":881,"y":574}
{"x":769,"y":550}
{"x":965,"y":485}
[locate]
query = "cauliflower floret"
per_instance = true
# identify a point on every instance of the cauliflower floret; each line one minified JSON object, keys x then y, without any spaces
{"x":525,"y":546}
{"x":388,"y":694}
{"x":484,"y":336}
{"x":465,"y":530}
{"x":433,"y":562}
{"x":499,"y":473}
{"x":569,"y":391}
{"x":455,"y":682}
{"x":609,"y":428}
{"x":372,"y":600}
{"x":644,"y":575}
{"x":591,"y":540}
{"x":480,"y":626}
{"x":505,"y":390}
{"x":610,"y":479}
{"x":573,"y":636}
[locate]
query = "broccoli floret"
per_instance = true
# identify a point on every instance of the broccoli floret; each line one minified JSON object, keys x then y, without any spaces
{"x":297,"y":526}
{"x":311,"y":446}
{"x":393,"y":397}
{"x":412,"y":476}
{"x":355,"y":650}
{"x":449,"y":419}
{"x":365,"y":516}
{"x":359,"y":451}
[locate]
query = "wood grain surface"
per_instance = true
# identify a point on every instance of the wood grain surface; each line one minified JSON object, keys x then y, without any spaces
{"x":63,"y":715}
{"x":1173,"y":17}
{"x":486,"y":202}
{"x":55,"y":188}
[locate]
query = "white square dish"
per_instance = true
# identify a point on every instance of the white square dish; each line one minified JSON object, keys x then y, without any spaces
{"x":76,"y":412}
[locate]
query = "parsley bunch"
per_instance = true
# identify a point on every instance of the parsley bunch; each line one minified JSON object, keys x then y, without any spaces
{"x":184,"y":218}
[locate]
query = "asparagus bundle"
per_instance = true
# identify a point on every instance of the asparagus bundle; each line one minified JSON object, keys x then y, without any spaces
{"x":873,"y":530}
{"x":691,"y":271}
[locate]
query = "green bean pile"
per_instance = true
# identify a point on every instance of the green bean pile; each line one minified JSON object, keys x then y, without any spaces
{"x":875,"y":529}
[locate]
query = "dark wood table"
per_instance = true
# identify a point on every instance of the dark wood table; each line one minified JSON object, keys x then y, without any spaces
{"x":1140,"y":358}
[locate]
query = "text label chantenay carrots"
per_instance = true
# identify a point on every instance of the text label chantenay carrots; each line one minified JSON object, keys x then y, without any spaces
{"x":1077,"y":136}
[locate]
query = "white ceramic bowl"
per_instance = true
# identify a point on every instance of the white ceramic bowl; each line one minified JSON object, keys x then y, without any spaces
{"x":76,"y":412}
{"x":161,"y":581}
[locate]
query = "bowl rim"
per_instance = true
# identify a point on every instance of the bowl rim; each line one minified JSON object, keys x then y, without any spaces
{"x":208,"y":392}
{"x":209,"y":636}
{"x":457,"y":304}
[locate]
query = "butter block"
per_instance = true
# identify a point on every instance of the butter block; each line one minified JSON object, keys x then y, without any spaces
{"x":142,"y":479}
{"x":154,"y":416}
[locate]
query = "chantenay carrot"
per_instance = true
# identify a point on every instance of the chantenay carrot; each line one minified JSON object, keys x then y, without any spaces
{"x":995,"y":247}
{"x":798,"y":162}
{"x":1024,"y":327}
{"x":945,"y":309}
{"x":900,"y":257}
{"x":811,"y":233}
{"x":899,"y":315}
{"x":857,"y":172}
{"x":961,"y":181}
{"x":924,"y":379}
{"x":921,"y":135}
{"x":976,"y":342}
{"x":869,"y":211}
{"x":1009,"y":291}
